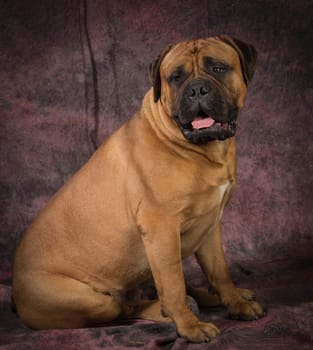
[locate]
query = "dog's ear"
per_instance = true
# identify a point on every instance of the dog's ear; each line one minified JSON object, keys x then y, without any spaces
{"x":154,"y":73}
{"x":247,"y":55}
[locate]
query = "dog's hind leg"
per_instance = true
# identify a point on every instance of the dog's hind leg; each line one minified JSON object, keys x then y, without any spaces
{"x":150,"y":310}
{"x":46,"y":301}
{"x":203,"y":297}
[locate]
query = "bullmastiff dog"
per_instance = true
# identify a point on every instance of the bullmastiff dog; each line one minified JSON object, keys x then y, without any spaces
{"x":151,"y":195}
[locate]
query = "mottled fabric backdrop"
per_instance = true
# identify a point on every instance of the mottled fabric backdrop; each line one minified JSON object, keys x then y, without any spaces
{"x":73,"y":71}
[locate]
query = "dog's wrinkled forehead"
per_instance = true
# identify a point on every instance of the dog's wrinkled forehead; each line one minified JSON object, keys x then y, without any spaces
{"x":190,"y":55}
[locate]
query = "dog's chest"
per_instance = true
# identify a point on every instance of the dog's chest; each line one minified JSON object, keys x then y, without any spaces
{"x":210,"y":201}
{"x":205,"y":212}
{"x":224,"y":191}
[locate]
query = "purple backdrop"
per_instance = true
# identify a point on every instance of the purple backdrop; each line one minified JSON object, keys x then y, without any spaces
{"x":73,"y":71}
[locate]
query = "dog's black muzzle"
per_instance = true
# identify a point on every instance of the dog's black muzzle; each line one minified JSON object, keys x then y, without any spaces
{"x":205,"y":113}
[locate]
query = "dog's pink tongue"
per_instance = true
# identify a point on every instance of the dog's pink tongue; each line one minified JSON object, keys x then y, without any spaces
{"x":199,"y":123}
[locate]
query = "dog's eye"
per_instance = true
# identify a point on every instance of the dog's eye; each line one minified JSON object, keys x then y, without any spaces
{"x":219,"y":69}
{"x":176,"y":78}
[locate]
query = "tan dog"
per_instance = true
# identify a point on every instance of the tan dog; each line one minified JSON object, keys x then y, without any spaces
{"x":153,"y":193}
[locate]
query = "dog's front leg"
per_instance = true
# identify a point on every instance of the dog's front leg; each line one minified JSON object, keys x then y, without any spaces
{"x":212,"y":260}
{"x":162,"y":245}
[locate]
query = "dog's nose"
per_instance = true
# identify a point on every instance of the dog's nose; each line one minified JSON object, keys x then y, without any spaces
{"x":197,"y":91}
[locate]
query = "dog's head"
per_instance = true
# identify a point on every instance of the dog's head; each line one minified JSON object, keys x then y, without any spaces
{"x":202,"y":85}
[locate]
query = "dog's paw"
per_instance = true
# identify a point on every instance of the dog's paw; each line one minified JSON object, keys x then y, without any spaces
{"x":247,"y":310}
{"x":246,"y":294}
{"x":199,"y":332}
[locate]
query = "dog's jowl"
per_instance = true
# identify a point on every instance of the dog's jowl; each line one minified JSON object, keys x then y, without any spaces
{"x":152,"y":194}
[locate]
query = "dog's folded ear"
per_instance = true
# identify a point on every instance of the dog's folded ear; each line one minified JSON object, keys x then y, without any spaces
{"x":154,"y":73}
{"x":247,"y":55}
